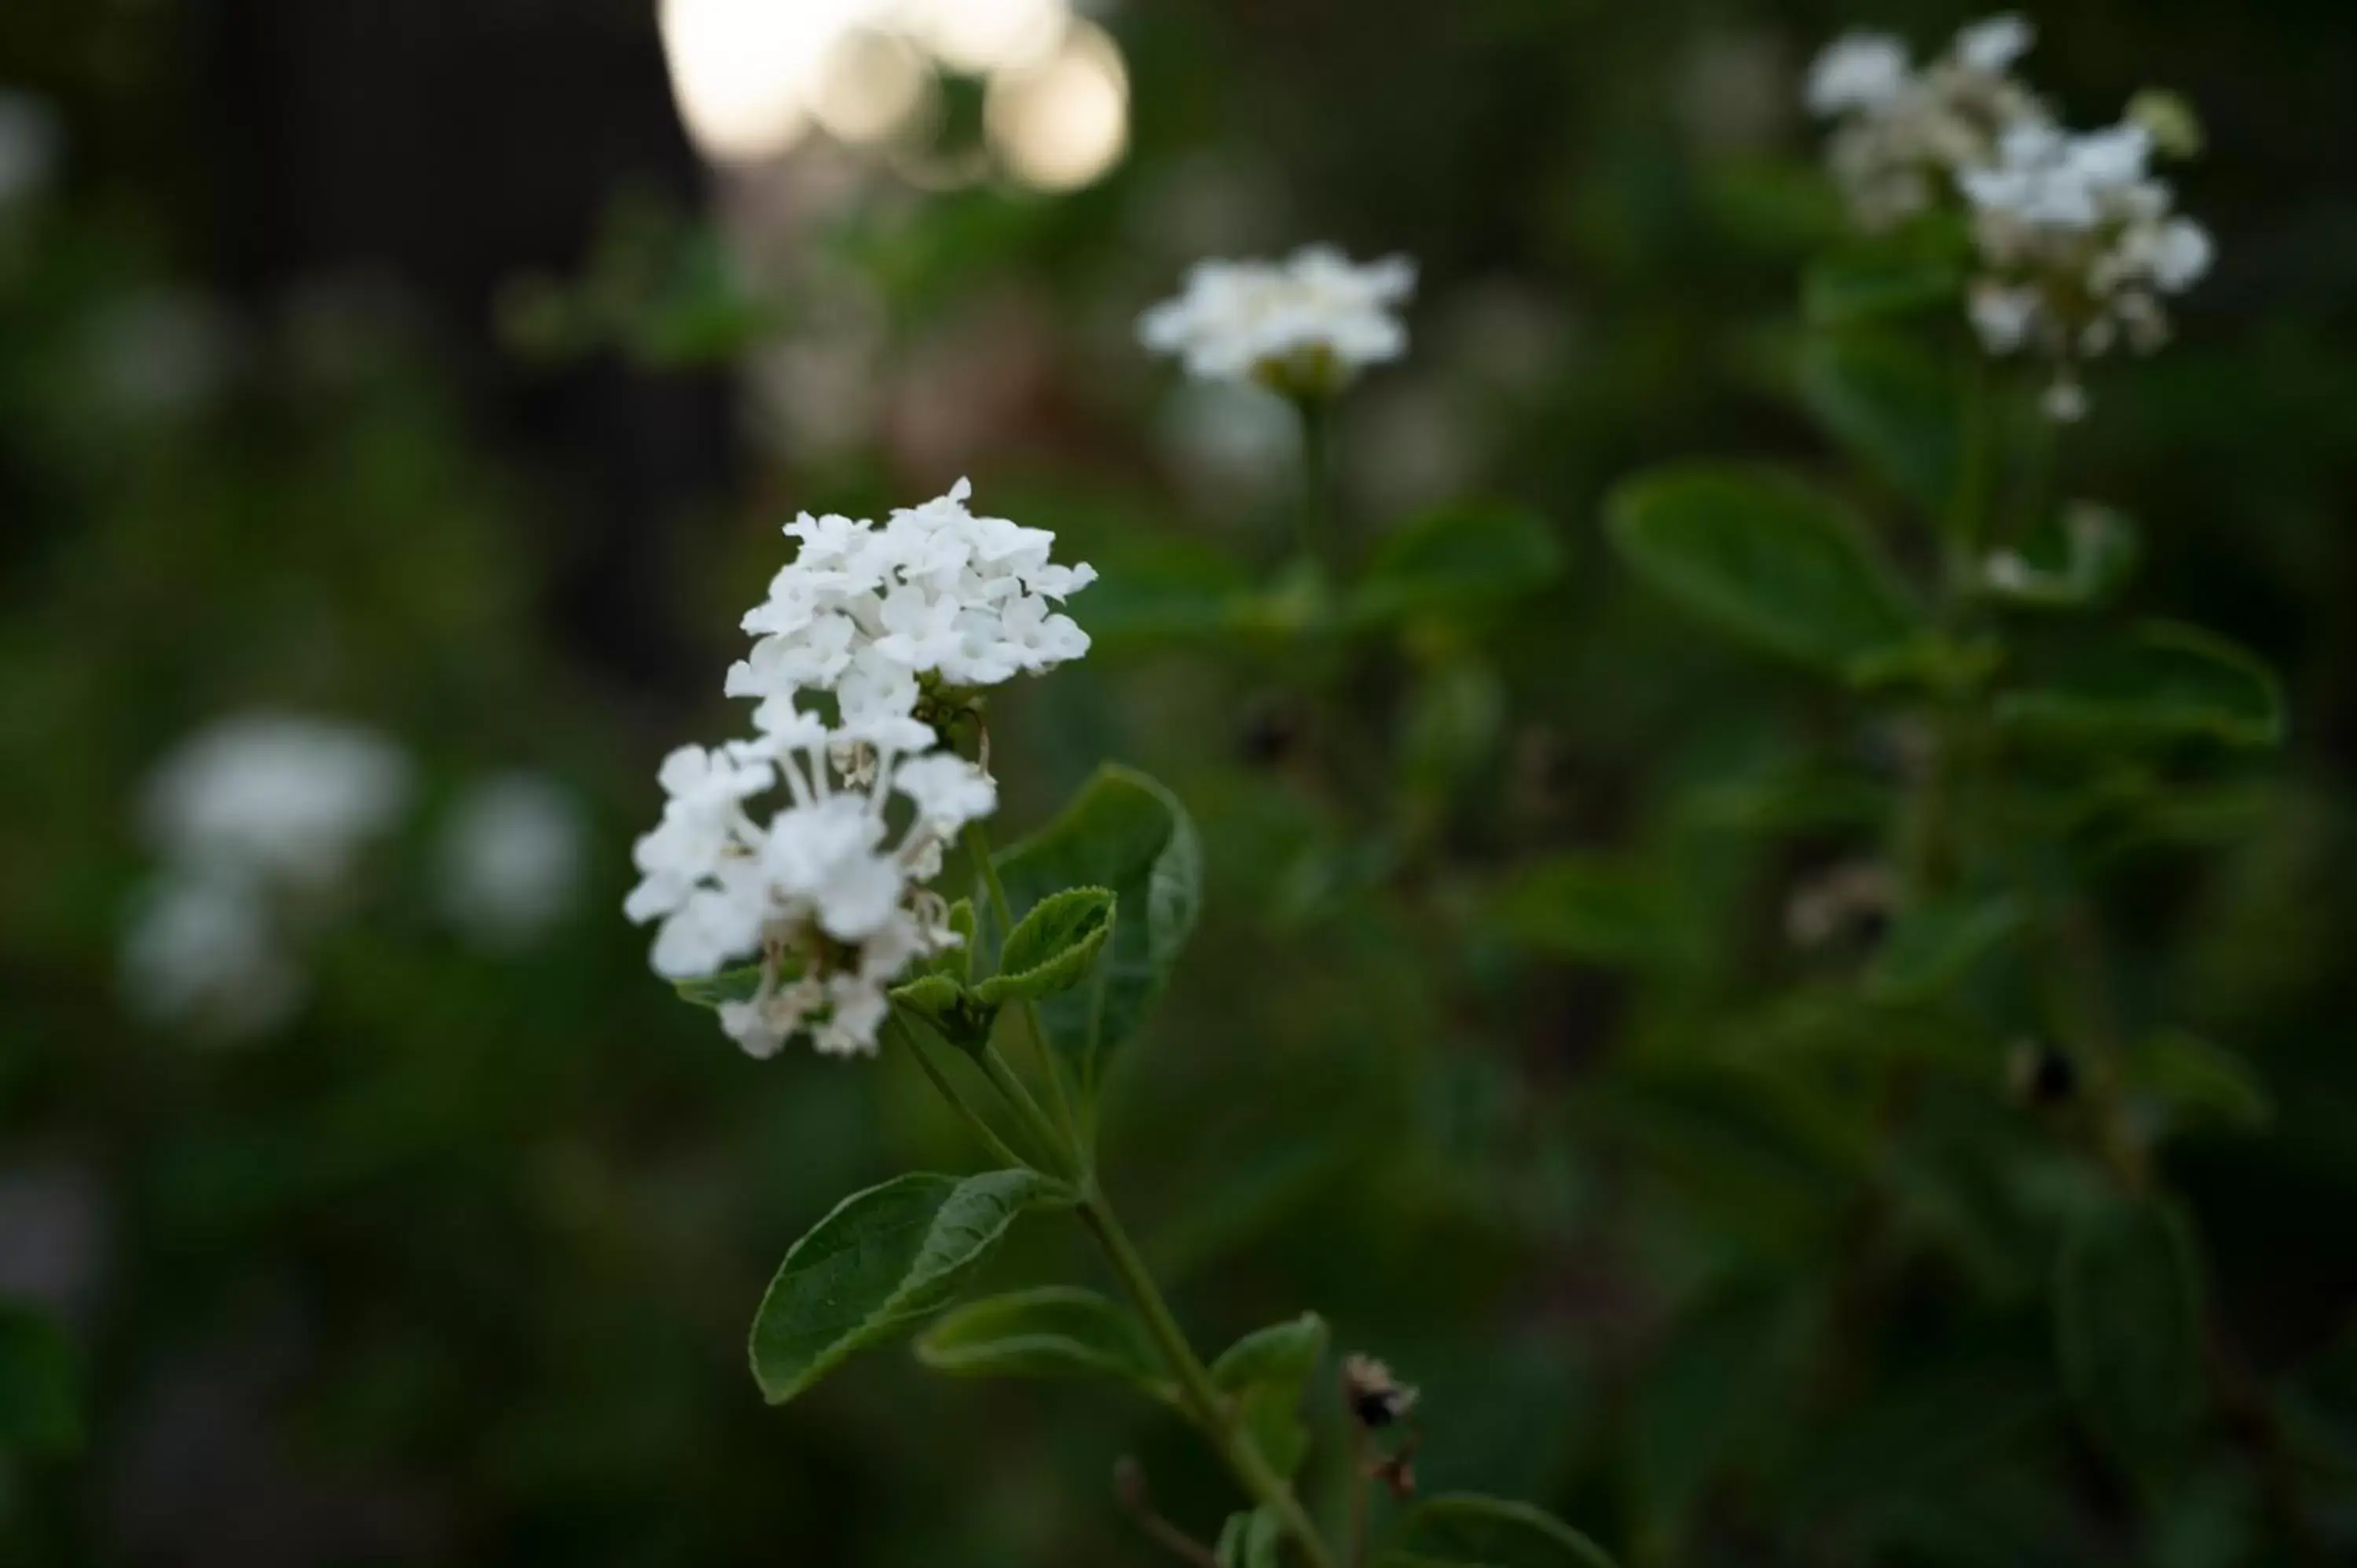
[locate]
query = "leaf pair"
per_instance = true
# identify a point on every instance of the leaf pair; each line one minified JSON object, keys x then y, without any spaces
{"x":883,"y":1260}
{"x":1127,"y":837}
{"x":1771,"y":561}
{"x":1053,"y":948}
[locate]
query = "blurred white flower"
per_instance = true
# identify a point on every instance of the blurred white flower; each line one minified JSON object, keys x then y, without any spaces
{"x":276,"y":797}
{"x":1900,"y":134}
{"x":28,"y":145}
{"x":252,"y":812}
{"x":204,"y":952}
{"x":2077,"y":241}
{"x":512,"y":857}
{"x":2079,"y":244}
{"x":1305,"y":326}
{"x":895,"y":627}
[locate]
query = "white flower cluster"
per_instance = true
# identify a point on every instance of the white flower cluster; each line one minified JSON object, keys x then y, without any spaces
{"x":1303,"y":327}
{"x":1900,"y":133}
{"x":2080,"y":244}
{"x":2076,"y":239}
{"x":894,"y":628}
{"x":511,"y":859}
{"x":256,"y":813}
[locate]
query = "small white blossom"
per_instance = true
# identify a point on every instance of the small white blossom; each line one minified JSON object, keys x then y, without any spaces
{"x":203,"y":952}
{"x":1305,"y":326}
{"x":2079,"y":245}
{"x":510,"y":858}
{"x":1902,"y":135}
{"x":893,"y":627}
{"x":252,"y":814}
{"x":273,"y":796}
{"x":1857,"y":71}
{"x":2077,"y":241}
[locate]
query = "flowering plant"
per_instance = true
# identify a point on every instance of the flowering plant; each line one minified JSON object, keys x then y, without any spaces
{"x":875,"y":647}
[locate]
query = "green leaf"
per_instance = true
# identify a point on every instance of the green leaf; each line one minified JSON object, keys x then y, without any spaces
{"x":1465,"y":1531}
{"x":2195,"y":1084}
{"x":1167,"y":590}
{"x":2164,"y":682}
{"x":1267,"y":1371}
{"x":728,"y":985}
{"x":2079,"y":559}
{"x":1251,"y":1540}
{"x":1762,"y":556}
{"x":1125,"y":832}
{"x":1588,"y":909}
{"x":954,"y":1013}
{"x":1936,"y":944}
{"x":1873,"y":285}
{"x":1461,"y":557}
{"x":40,"y":1384}
{"x":2127,"y":1320}
{"x":1892,"y":404}
{"x":883,"y":1260}
{"x":1052,"y":948}
{"x":1056,"y":1331}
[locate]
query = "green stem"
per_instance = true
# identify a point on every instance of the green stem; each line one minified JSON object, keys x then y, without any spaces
{"x":898,"y":1028}
{"x":1210,"y":1412}
{"x":1018,"y":1099}
{"x":1317,"y":521}
{"x":977,"y":847}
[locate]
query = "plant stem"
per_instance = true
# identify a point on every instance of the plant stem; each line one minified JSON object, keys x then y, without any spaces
{"x":1317,"y":518}
{"x":1210,"y":1412}
{"x":978,"y":847}
{"x":898,"y":1028}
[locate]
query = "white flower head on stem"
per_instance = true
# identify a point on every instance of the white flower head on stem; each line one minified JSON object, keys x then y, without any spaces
{"x":808,"y":847}
{"x":1305,"y":326}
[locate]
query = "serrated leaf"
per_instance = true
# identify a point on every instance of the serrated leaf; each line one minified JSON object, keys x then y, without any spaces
{"x":1464,"y":1529}
{"x":884,"y":1260}
{"x":1764,"y":557}
{"x":1587,"y":909}
{"x":1267,"y":1371}
{"x":1052,"y":948}
{"x":1457,"y":558}
{"x":956,"y":1015}
{"x":40,"y":1384}
{"x":2163,"y":682}
{"x":1056,"y":1331}
{"x":1891,"y":402}
{"x":1933,"y":945}
{"x":2127,"y":1322}
{"x":1125,"y":832}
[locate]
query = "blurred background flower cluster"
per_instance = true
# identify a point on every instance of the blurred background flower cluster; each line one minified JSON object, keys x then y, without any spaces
{"x":398,"y":402}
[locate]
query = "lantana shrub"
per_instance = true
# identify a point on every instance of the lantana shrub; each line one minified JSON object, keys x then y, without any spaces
{"x":830,"y":878}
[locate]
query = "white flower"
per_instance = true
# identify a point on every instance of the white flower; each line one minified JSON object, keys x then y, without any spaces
{"x":250,"y":812}
{"x":1306,"y":326}
{"x":2078,"y":244}
{"x":1902,"y":135}
{"x":510,"y":858}
{"x":202,"y":952}
{"x":1857,"y":71}
{"x":1993,"y":44}
{"x":893,"y":627}
{"x":283,"y":800}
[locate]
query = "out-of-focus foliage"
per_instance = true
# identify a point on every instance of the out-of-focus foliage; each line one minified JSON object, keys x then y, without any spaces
{"x":1490,"y":1048}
